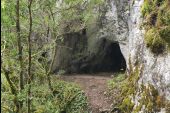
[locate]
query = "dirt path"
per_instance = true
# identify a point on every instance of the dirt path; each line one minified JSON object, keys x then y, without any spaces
{"x":95,"y":87}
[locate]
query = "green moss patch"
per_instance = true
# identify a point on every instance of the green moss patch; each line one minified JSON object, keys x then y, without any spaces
{"x":126,"y":105}
{"x":154,"y":41}
{"x":147,"y":7}
{"x":157,"y":24}
{"x":125,"y":89}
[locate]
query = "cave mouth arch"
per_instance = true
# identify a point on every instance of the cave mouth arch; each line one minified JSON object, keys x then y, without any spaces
{"x":77,"y":55}
{"x":108,"y":58}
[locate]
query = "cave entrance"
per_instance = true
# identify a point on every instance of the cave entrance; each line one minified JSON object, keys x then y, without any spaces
{"x":113,"y":60}
{"x":108,"y":58}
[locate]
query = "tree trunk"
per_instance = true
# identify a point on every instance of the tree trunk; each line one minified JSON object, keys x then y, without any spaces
{"x":19,"y":45}
{"x":21,"y":81}
{"x":30,"y":77}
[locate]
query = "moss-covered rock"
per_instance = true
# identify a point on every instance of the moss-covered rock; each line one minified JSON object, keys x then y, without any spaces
{"x":154,"y":41}
{"x":148,"y":97}
{"x":127,"y":89}
{"x":157,"y":24}
{"x":147,"y":7}
{"x":126,"y":105}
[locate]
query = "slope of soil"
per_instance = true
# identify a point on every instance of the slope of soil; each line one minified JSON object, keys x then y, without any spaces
{"x":95,"y":87}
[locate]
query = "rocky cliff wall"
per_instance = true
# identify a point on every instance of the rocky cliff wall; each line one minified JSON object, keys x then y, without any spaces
{"x":154,"y":70}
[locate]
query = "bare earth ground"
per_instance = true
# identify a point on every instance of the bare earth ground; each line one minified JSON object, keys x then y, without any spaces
{"x":95,"y":87}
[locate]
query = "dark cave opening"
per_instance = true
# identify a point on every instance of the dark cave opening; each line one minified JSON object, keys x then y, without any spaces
{"x":105,"y":57}
{"x":108,"y":58}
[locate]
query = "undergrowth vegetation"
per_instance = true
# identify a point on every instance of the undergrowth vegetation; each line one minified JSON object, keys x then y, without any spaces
{"x":66,"y":98}
{"x":157,"y":24}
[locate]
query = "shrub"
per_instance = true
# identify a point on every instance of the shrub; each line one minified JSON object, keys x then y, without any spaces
{"x":68,"y":98}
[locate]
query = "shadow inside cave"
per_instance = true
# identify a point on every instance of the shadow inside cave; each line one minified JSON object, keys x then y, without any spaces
{"x":108,"y":58}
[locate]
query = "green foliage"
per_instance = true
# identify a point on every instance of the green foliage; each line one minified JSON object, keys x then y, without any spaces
{"x":127,"y":88}
{"x":157,"y":16}
{"x":47,"y":19}
{"x":164,"y":14}
{"x":119,"y":77}
{"x":149,"y":97}
{"x":126,"y":105}
{"x":154,"y":41}
{"x":80,"y":13}
{"x":147,"y":7}
{"x":68,"y":97}
{"x":165,"y":33}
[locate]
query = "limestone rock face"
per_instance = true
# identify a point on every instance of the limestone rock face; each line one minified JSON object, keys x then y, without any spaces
{"x":100,"y":39}
{"x":156,"y":68}
{"x":126,"y":20}
{"x":70,"y":47}
{"x":113,"y":26}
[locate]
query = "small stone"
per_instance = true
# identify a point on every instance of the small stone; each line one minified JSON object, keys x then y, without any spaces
{"x":105,"y":93}
{"x":112,"y":76}
{"x":104,"y":110}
